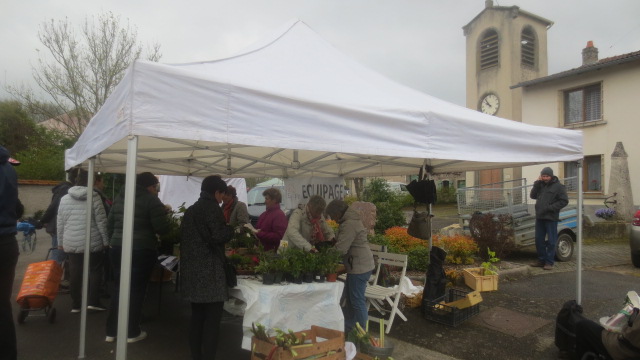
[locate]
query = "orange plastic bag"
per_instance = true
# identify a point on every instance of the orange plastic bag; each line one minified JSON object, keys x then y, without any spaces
{"x":40,"y":284}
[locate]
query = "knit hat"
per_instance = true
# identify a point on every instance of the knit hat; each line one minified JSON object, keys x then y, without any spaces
{"x":146,"y":179}
{"x":546,"y":171}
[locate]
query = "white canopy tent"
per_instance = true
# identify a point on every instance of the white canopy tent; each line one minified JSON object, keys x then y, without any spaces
{"x":292,"y":105}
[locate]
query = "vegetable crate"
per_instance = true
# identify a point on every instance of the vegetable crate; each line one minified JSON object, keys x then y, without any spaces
{"x":474,"y":279}
{"x":323,"y":343}
{"x":436,"y":311}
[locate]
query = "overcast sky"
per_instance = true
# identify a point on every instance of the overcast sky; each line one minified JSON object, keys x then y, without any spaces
{"x":419,"y":43}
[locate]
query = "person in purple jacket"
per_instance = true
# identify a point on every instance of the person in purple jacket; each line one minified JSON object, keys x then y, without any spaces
{"x":273,"y":222}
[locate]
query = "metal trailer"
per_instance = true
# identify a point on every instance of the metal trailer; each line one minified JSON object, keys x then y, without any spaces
{"x":512,"y":198}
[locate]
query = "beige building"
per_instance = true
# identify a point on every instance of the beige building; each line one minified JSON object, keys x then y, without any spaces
{"x":599,"y":98}
{"x":505,"y":45}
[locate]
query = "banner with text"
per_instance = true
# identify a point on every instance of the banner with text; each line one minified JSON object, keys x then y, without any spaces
{"x":298,"y":190}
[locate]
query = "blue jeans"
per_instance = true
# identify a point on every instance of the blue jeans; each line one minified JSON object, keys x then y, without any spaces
{"x":142,"y":263}
{"x":546,"y":249}
{"x":356,"y":310}
{"x":57,"y":254}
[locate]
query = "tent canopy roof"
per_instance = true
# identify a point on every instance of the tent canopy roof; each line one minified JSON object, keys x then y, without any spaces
{"x":292,"y":105}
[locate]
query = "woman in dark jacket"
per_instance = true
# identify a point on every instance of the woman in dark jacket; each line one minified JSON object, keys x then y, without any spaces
{"x":204,"y":233}
{"x":150,"y":218}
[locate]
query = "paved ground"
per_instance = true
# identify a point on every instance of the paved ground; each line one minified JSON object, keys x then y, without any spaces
{"x":515,"y":322}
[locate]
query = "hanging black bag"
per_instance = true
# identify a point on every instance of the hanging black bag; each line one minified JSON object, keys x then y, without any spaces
{"x":565,"y":336}
{"x":420,"y":226}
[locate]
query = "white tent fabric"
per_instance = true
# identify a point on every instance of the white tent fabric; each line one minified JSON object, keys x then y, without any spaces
{"x":176,"y":190}
{"x":294,"y":105}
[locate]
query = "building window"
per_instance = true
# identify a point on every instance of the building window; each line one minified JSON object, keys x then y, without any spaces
{"x":528,"y":47}
{"x":583,"y":104}
{"x":489,"y":53}
{"x":591,"y":173}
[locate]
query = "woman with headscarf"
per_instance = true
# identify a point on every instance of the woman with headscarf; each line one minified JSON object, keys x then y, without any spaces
{"x":204,"y":233}
{"x":307,"y":227}
{"x":352,"y":242}
{"x":235,"y":212}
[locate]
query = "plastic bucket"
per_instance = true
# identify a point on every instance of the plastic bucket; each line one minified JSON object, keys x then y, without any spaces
{"x":381,"y":352}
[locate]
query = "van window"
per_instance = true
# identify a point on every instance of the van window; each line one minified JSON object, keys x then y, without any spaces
{"x":255,"y":197}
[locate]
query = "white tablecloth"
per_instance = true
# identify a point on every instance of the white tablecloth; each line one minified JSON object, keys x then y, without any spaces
{"x":290,"y":306}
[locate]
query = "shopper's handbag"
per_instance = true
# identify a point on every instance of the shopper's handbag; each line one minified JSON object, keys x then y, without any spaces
{"x":230,"y":273}
{"x":420,"y":226}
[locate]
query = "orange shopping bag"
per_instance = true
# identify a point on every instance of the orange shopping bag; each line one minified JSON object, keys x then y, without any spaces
{"x":40,"y":284}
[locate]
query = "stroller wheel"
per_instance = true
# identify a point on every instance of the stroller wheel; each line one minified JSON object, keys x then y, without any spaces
{"x":22,"y":315}
{"x":52,"y":315}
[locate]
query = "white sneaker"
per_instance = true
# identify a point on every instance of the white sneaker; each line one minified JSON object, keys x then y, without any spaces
{"x":110,"y":339}
{"x":142,"y":336}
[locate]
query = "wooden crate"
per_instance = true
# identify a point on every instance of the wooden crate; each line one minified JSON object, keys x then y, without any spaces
{"x":334,"y":341}
{"x":474,"y":280}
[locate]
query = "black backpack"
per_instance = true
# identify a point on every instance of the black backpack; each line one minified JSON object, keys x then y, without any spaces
{"x":566,"y":320}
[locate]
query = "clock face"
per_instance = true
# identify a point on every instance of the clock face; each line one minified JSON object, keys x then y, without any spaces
{"x":490,"y":104}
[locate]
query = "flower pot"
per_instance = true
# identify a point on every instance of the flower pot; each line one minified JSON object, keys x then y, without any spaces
{"x":307,"y":277}
{"x":296,"y":279}
{"x":380,"y":352}
{"x":319,"y":278}
{"x":268,"y":278}
{"x":333,"y":277}
{"x":474,"y":279}
{"x":278,"y":277}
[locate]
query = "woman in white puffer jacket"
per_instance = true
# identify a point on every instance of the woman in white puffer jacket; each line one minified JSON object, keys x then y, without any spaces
{"x":71,"y":238}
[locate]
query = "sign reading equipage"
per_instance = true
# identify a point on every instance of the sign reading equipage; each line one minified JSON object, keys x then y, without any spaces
{"x":298,"y":190}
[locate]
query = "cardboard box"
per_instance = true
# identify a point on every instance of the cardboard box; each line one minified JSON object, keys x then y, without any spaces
{"x":327,"y":344}
{"x":469,"y":300}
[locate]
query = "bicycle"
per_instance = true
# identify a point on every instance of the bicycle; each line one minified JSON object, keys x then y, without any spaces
{"x":29,"y":240}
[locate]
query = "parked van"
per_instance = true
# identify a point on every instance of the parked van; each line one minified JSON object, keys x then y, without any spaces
{"x":398,"y":187}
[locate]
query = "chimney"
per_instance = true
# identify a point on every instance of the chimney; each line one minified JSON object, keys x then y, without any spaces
{"x":589,"y":54}
{"x":488,"y":3}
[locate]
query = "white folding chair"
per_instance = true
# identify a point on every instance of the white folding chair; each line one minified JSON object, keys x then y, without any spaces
{"x":377,"y":295}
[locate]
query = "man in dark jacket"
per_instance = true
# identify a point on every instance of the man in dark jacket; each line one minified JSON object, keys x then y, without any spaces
{"x":10,"y":210}
{"x":150,"y":218}
{"x":551,"y":196}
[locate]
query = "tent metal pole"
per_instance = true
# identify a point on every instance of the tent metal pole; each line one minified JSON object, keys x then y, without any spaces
{"x":127,"y":244}
{"x":85,"y":263}
{"x":579,"y":239}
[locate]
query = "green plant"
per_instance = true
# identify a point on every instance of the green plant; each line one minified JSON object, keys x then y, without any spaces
{"x":446,"y":195}
{"x":493,"y":231}
{"x":330,"y":260}
{"x":418,"y":259}
{"x":379,"y":239}
{"x":488,"y":266}
{"x":295,"y":259}
{"x":310,"y":263}
{"x":388,"y":205}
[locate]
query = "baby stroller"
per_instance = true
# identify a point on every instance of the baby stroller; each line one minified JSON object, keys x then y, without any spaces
{"x":28,"y":229}
{"x":39,"y":289}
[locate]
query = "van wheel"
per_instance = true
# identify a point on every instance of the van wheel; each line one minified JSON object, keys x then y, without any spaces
{"x":635,"y":259}
{"x":564,"y":247}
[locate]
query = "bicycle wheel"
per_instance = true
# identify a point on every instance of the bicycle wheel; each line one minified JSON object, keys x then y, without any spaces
{"x":27,"y":243}
{"x":34,"y":239}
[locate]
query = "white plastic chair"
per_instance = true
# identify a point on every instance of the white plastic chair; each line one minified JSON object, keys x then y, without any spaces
{"x":377,"y":295}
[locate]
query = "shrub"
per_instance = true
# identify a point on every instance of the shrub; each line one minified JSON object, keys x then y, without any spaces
{"x":446,"y":195}
{"x":401,"y":242}
{"x":460,"y":249}
{"x":333,"y":225}
{"x":418,"y":259}
{"x":491,"y":231}
{"x":388,"y":205}
{"x":379,"y":239}
{"x":350,"y":199}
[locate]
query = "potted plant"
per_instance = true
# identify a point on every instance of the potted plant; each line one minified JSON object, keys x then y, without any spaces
{"x":309,"y":266}
{"x":295,"y":260}
{"x":280,"y":266}
{"x":265,"y":267}
{"x":484,"y":278}
{"x":331,"y":260}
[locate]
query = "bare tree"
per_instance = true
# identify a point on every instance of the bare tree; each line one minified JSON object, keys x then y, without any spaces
{"x":83,"y":70}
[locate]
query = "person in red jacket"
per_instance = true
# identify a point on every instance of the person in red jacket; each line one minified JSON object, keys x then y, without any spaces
{"x":273,"y":222}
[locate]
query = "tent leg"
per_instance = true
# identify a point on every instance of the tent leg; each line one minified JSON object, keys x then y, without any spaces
{"x":127,"y":243}
{"x":579,"y":237}
{"x":85,"y":265}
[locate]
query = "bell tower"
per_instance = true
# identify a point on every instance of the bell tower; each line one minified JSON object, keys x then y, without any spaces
{"x":505,"y":45}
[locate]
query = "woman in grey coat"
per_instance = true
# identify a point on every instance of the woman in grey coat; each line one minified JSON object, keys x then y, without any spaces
{"x":351,"y":240}
{"x":204,"y":233}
